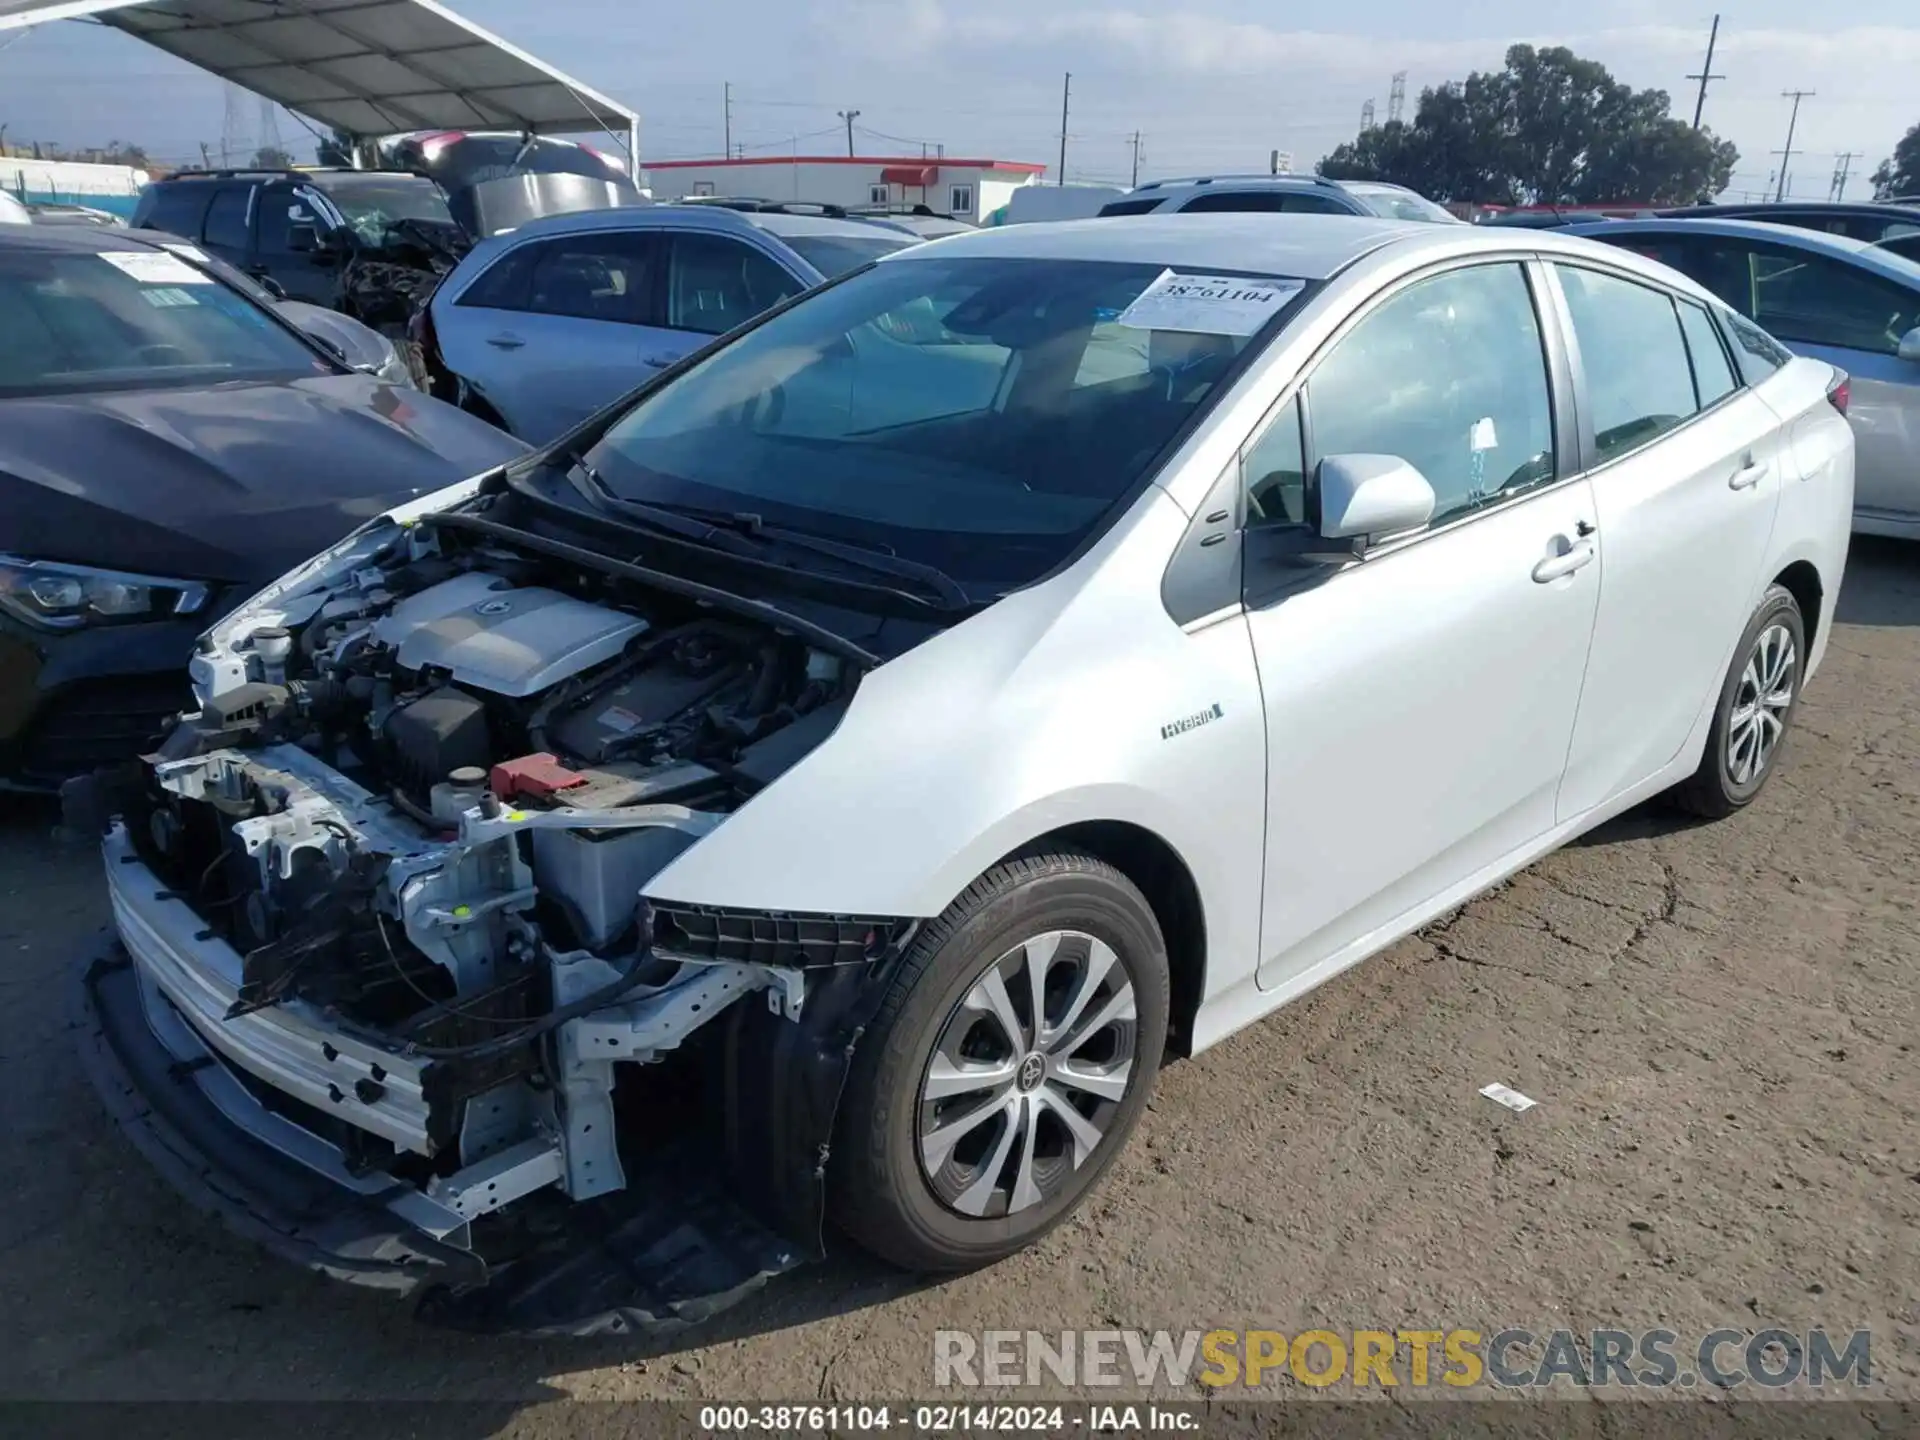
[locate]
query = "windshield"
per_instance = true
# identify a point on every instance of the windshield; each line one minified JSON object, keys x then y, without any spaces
{"x":1392,"y":203}
{"x":979,"y":415}
{"x":126,"y":320}
{"x":834,"y":255}
{"x":372,"y":205}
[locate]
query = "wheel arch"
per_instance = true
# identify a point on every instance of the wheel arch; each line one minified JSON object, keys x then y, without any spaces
{"x":1802,"y":580}
{"x":1167,"y":882}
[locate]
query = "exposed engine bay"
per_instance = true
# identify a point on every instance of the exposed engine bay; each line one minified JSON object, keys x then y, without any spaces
{"x":412,"y":820}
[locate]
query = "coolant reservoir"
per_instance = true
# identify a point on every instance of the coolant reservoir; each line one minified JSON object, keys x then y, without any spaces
{"x":457,"y":794}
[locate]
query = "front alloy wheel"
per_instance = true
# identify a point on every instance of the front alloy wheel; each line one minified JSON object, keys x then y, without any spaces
{"x":1009,"y":1061}
{"x":1028,"y":1074}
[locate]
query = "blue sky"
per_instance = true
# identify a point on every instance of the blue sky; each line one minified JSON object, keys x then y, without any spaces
{"x":1211,"y":84}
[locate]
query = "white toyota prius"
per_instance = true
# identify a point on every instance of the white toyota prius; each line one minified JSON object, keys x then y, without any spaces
{"x":818,"y":793}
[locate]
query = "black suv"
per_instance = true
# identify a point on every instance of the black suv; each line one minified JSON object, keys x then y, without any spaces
{"x":297,"y":228}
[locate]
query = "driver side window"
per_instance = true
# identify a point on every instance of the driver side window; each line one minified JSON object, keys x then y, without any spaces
{"x":1450,"y":375}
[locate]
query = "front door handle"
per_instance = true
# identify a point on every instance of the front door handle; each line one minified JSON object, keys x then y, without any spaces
{"x":1748,"y":475}
{"x":1575,"y":557}
{"x":505,"y":342}
{"x":658,"y":362}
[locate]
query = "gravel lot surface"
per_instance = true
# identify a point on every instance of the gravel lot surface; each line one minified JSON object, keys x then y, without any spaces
{"x":1718,"y":1022}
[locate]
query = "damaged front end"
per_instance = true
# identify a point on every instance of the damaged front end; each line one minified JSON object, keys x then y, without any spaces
{"x":385,"y":992}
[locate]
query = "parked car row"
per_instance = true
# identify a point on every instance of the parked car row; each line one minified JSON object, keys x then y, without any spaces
{"x":813,"y":795}
{"x":171,"y":438}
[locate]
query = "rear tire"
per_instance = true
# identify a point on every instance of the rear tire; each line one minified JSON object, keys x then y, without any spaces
{"x":955,"y":1145}
{"x":1756,"y":707}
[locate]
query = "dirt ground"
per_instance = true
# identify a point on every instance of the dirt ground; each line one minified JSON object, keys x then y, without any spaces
{"x":1718,"y":1023}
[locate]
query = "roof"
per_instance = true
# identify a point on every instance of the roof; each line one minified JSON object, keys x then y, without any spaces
{"x":1883,"y":210}
{"x":1306,"y":247}
{"x":87,"y":239}
{"x":369,"y":67}
{"x":1819,"y":242}
{"x":915,"y":162}
{"x":691,"y":217}
{"x":1242,"y":182}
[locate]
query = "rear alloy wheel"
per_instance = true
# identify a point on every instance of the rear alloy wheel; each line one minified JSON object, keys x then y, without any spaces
{"x":1757,"y":703}
{"x":1008,"y":1064}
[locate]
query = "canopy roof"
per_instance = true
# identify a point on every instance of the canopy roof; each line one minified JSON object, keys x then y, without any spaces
{"x":368,"y":67}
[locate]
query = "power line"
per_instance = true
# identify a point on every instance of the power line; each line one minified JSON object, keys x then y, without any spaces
{"x":1786,"y":155}
{"x":1706,"y":73}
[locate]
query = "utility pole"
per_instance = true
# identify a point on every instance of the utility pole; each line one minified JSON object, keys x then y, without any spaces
{"x":727,"y":102}
{"x":1786,"y":155}
{"x":849,"y":116}
{"x":1842,"y":169}
{"x":1066,"y":94}
{"x":1136,"y":160}
{"x":1706,"y":73}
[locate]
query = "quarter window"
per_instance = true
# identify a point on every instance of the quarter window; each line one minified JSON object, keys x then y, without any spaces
{"x":1639,"y":381}
{"x":507,"y":284}
{"x":1273,"y":471}
{"x":1712,"y":376}
{"x":1451,"y":376}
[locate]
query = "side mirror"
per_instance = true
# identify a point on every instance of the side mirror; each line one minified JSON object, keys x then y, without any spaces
{"x":1367,"y":495}
{"x":1910,"y":345}
{"x":272,"y":286}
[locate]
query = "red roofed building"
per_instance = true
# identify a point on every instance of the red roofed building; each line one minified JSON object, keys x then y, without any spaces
{"x":965,"y":189}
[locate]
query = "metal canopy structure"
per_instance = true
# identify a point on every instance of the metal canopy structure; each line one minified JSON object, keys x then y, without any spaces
{"x":368,"y":67}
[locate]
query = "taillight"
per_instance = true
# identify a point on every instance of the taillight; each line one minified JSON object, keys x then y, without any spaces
{"x":1840,"y":392}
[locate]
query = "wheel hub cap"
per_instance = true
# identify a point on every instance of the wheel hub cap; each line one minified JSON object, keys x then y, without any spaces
{"x":1027,"y":1074}
{"x":1760,"y":705}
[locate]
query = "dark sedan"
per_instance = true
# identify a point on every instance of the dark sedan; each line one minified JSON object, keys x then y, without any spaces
{"x":168,"y":444}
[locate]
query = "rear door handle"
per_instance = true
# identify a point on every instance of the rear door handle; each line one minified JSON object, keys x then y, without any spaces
{"x":1577,"y":557}
{"x":505,"y":342}
{"x":1748,"y":475}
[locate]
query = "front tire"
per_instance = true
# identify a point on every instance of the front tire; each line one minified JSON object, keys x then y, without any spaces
{"x":1757,"y":704}
{"x":1007,"y":1066}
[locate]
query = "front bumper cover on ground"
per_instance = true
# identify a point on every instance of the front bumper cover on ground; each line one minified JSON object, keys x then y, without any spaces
{"x":671,"y":1250}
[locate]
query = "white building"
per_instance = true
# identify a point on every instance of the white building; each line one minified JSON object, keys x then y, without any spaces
{"x":965,"y":189}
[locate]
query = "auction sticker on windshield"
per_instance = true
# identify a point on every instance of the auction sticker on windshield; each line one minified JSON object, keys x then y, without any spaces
{"x":155,"y":267}
{"x":1208,"y":304}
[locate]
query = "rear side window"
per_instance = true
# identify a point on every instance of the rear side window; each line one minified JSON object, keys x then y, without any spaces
{"x":1133,"y":207}
{"x":227,"y":219}
{"x":177,"y":209}
{"x":596,"y":277}
{"x":1639,"y":380}
{"x":1712,"y":376}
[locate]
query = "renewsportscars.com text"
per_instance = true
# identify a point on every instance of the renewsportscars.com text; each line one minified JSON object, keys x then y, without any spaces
{"x":1511,"y":1359}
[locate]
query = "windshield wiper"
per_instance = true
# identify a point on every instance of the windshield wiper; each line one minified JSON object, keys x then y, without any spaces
{"x":746,"y":534}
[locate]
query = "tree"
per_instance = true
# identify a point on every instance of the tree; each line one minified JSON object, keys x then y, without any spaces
{"x":1900,"y":174}
{"x":269,"y":158}
{"x":1548,"y":129}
